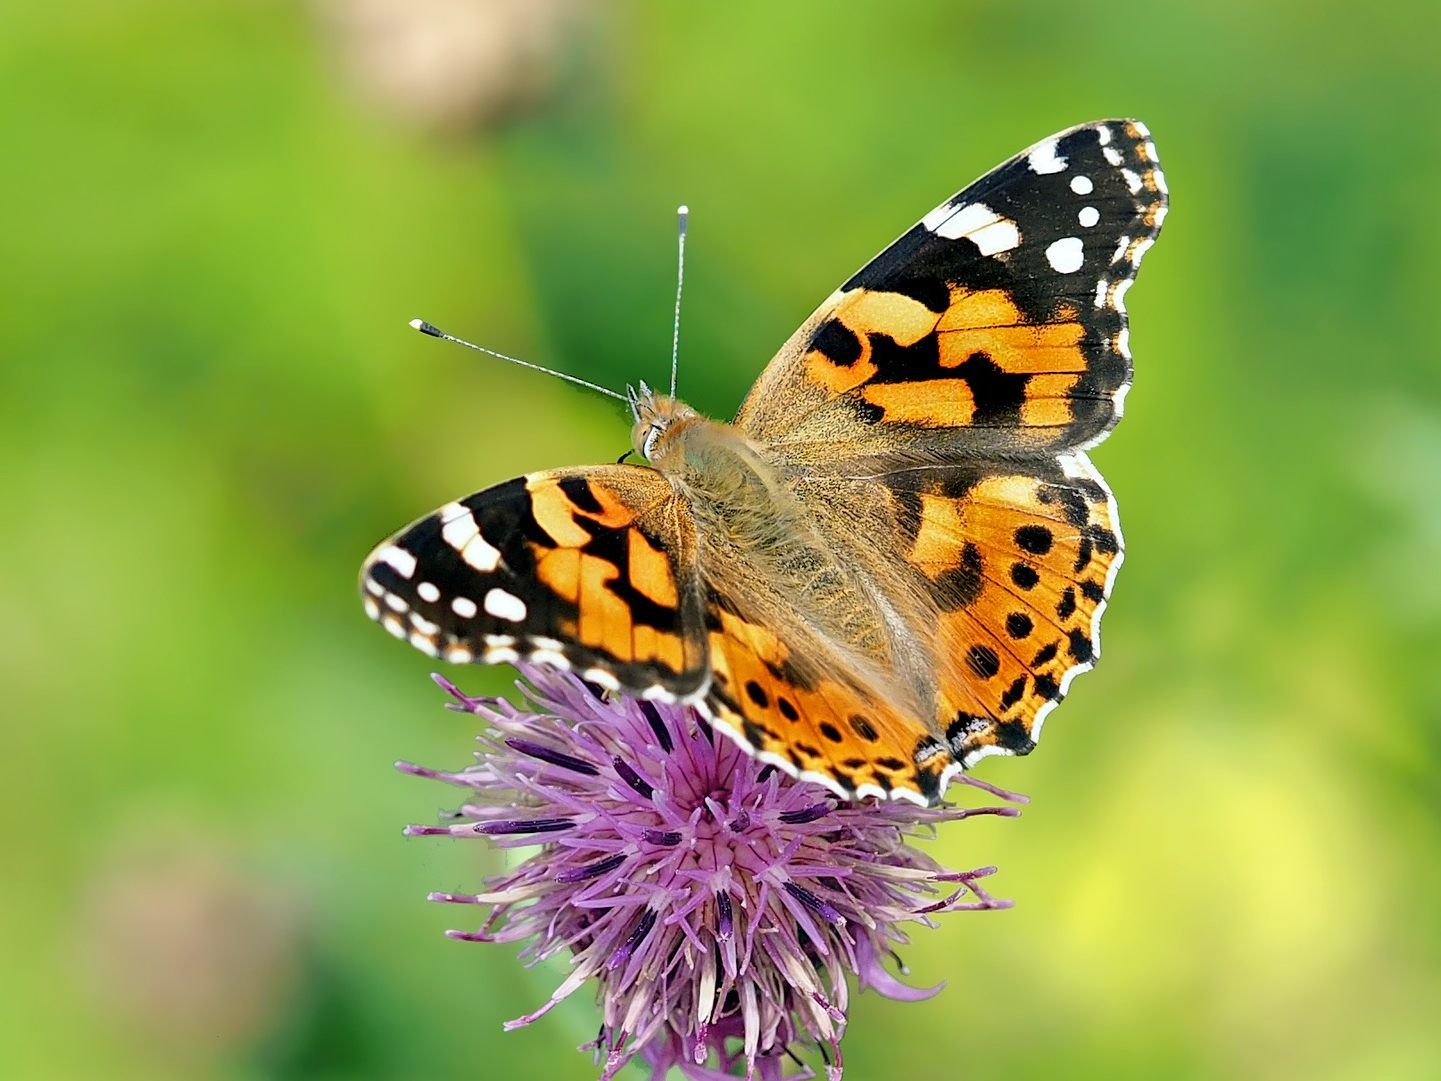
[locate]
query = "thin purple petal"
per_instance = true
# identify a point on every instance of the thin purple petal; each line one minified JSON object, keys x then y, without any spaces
{"x":632,"y":778}
{"x":516,"y":825}
{"x":551,"y":755}
{"x":810,"y":814}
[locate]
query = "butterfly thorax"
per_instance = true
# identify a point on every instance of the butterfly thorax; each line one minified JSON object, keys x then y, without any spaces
{"x":735,"y":486}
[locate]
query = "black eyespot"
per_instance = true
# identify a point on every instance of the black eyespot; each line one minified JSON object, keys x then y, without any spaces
{"x":863,"y":728}
{"x":983,"y":661}
{"x":1035,"y":539}
{"x":1014,"y":692}
{"x":1066,"y":606}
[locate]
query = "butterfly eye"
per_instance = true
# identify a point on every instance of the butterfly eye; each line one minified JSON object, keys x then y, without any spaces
{"x":651,"y":435}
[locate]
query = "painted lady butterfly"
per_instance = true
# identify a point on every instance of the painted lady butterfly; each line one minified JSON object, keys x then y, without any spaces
{"x":894,"y":561}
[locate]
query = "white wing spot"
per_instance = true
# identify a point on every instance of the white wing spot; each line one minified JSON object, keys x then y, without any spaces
{"x":459,"y":655}
{"x":980,"y":224}
{"x":1112,"y":155}
{"x":601,"y":678}
{"x":550,"y":657}
{"x":1082,"y":185}
{"x":397,"y":558}
{"x":458,"y":525}
{"x":1066,"y":255}
{"x":464,"y":607}
{"x":1044,"y":159}
{"x":1118,"y":294}
{"x":481,"y":555}
{"x":428,"y":592}
{"x":1000,"y":236}
{"x":1120,"y":398}
{"x":936,"y":217}
{"x":1133,"y":182}
{"x":505,"y":605}
{"x":1088,"y":216}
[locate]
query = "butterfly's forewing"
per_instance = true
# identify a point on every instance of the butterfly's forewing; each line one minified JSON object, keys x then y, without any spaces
{"x":586,"y":569}
{"x":995,"y":326}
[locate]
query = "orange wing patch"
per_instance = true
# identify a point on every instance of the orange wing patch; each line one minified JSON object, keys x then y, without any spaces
{"x":989,"y":322}
{"x":935,"y":403}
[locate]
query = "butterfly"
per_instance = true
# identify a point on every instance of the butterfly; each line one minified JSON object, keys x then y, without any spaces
{"x":894,"y":561}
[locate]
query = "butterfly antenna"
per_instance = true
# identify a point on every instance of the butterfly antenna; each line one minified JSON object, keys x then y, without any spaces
{"x":435,"y":332}
{"x":682,"y":216}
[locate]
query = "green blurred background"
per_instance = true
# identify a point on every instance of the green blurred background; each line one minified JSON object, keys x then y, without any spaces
{"x":220,"y":215}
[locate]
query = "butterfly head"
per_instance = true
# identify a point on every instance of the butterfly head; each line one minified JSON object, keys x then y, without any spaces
{"x":655,"y":415}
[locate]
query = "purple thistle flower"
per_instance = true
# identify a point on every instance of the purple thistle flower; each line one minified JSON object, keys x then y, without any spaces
{"x":718,"y":903}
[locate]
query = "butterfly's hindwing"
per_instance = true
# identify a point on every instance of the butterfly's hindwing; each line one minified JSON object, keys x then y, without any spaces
{"x":1000,"y":571}
{"x":584,"y":569}
{"x":814,"y":722}
{"x":1001,"y":313}
{"x":1020,"y":566}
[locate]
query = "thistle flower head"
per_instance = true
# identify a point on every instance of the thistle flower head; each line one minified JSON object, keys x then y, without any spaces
{"x":718,"y":904}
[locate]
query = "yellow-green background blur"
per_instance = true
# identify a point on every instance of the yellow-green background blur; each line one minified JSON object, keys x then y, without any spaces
{"x":217,"y":219}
